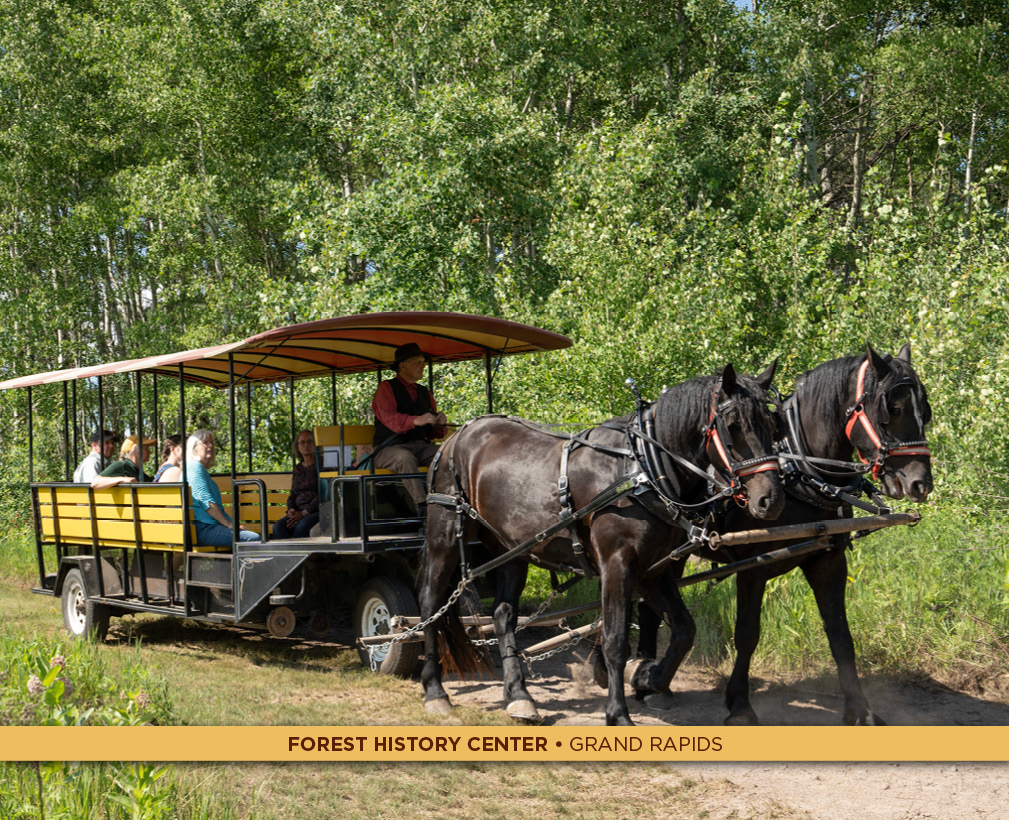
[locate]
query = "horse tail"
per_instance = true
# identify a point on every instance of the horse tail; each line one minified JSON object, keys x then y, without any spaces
{"x":456,"y":651}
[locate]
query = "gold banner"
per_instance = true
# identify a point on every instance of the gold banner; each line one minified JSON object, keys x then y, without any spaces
{"x":473,"y":743}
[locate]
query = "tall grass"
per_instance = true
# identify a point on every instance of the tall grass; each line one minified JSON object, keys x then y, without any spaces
{"x":51,"y":681}
{"x":928,"y":600}
{"x":18,"y":559}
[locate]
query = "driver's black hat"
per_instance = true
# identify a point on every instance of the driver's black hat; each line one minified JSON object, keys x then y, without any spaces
{"x":407,"y":351}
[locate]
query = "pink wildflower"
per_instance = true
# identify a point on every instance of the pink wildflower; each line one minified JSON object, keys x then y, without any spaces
{"x":35,"y":686}
{"x":68,"y":686}
{"x":58,"y":660}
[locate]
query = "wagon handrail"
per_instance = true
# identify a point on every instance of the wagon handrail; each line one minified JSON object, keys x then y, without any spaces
{"x":237,"y":505}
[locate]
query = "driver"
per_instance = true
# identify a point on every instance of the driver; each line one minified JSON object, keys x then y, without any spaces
{"x":406,"y":421}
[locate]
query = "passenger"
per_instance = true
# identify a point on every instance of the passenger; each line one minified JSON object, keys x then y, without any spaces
{"x":213,"y":524}
{"x":406,"y":419}
{"x":303,"y":502}
{"x":126,"y":470}
{"x":102,"y":444}
{"x":171,"y":460}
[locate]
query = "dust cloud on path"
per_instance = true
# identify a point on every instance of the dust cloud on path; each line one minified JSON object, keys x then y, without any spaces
{"x":566,"y":696}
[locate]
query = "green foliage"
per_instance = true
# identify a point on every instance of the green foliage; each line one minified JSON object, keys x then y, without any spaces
{"x":50,"y":683}
{"x":54,"y":683}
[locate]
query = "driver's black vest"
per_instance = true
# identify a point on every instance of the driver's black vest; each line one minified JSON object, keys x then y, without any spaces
{"x":404,"y":404}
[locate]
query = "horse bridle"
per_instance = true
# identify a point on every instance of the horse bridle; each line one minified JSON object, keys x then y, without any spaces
{"x":716,"y":431}
{"x":857,"y":415}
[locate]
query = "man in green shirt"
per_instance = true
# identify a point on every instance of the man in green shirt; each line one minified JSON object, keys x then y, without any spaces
{"x":132,"y":454}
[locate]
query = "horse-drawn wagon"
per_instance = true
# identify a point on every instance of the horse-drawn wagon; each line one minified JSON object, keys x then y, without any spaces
{"x":132,"y":548}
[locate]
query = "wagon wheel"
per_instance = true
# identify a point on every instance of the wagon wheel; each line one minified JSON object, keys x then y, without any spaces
{"x":381,"y":600}
{"x":83,"y":618}
{"x":280,"y":622}
{"x":319,"y":624}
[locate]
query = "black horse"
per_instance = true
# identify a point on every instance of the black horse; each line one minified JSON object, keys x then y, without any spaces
{"x":874,"y":405}
{"x":512,"y":476}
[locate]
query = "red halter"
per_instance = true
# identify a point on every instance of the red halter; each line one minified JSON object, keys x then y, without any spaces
{"x":857,"y":415}
{"x":737,"y":470}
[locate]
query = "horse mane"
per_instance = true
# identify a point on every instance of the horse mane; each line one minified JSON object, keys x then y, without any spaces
{"x":823,"y":391}
{"x":684,"y":408}
{"x":682,"y":413}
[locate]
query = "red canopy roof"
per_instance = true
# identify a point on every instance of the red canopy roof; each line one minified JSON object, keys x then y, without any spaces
{"x":347,"y":344}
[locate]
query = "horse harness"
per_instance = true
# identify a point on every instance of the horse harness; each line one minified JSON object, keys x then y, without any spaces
{"x":647,"y":476}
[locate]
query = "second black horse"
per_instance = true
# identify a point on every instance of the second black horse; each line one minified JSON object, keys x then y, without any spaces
{"x":878,"y":407}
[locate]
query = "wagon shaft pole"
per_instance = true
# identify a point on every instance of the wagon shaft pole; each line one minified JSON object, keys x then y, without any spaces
{"x":812,"y":545}
{"x":818,"y":529}
{"x":560,"y":640}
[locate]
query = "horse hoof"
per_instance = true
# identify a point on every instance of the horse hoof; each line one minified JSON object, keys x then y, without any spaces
{"x":438,"y":706}
{"x":743,"y":719}
{"x":660,"y":701}
{"x":639,"y":673}
{"x":522,"y":710}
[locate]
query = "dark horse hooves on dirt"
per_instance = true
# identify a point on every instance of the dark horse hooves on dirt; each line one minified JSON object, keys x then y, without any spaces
{"x":518,"y":480}
{"x":875,"y":406}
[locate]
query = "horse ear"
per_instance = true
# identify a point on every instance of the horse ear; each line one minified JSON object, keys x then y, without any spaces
{"x":905,"y":353}
{"x":765,"y":378}
{"x":728,"y":378}
{"x":876,"y":362}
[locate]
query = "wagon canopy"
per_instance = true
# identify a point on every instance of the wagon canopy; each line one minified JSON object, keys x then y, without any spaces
{"x":346,"y":344}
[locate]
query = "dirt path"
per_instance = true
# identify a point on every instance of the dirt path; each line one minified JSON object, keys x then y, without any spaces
{"x":566,"y":695}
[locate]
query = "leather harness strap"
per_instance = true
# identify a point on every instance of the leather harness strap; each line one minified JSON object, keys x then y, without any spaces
{"x":857,"y":415}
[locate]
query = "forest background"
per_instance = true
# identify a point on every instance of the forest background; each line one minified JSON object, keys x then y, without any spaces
{"x":672,"y":184}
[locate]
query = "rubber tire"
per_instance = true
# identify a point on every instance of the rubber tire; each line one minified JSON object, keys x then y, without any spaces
{"x":83,"y":618}
{"x":381,"y":600}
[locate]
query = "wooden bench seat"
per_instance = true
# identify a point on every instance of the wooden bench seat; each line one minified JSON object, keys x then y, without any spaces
{"x":278,"y":490}
{"x":117,"y":516}
{"x":113,"y":517}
